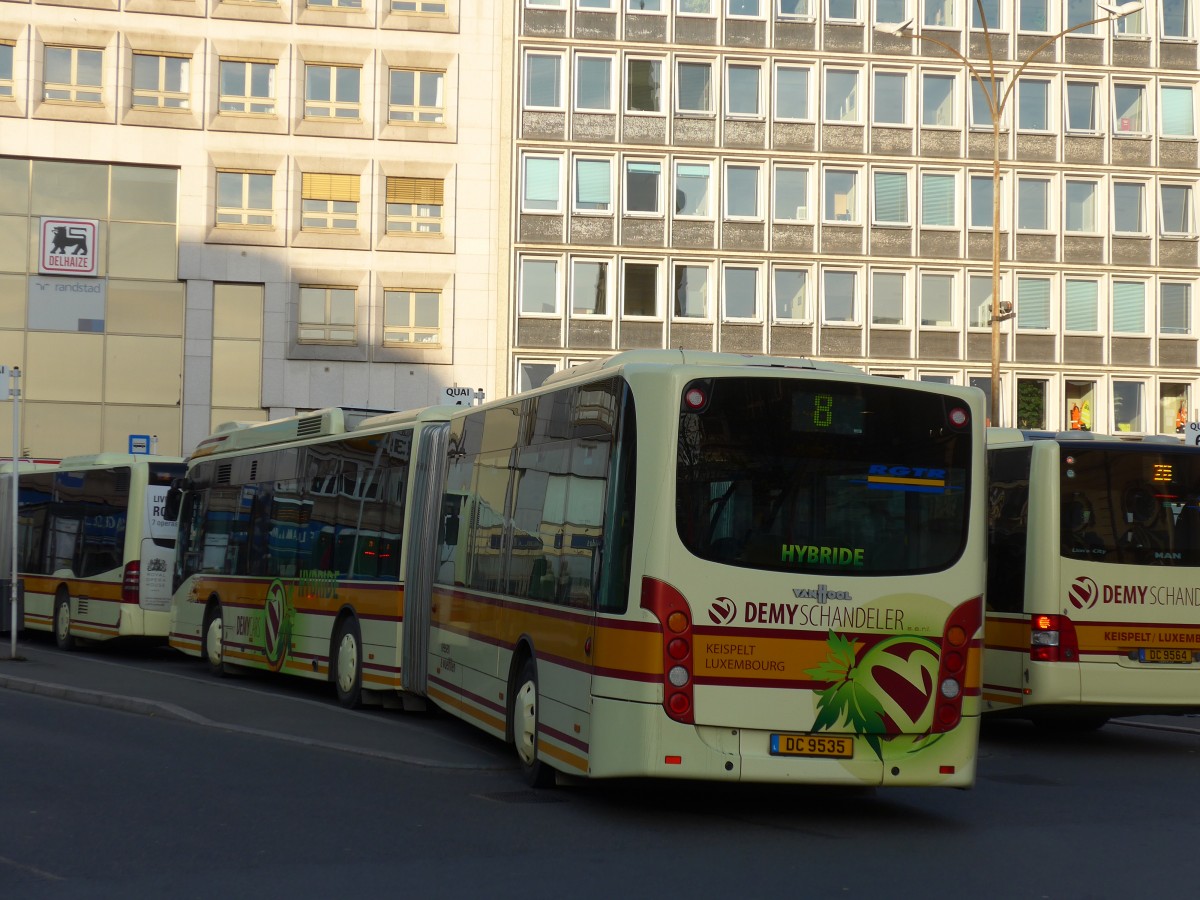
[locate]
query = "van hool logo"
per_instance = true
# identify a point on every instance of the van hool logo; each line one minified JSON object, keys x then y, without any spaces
{"x":68,"y":247}
{"x":722,"y":611}
{"x":1083,"y":593}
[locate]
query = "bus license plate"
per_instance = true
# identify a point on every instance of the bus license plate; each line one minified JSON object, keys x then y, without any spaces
{"x":1165,"y":655}
{"x":812,"y":745}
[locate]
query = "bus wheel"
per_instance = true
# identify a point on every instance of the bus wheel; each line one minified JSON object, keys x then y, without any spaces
{"x":213,"y":636}
{"x":62,"y":622}
{"x":525,"y":728}
{"x":346,"y":664}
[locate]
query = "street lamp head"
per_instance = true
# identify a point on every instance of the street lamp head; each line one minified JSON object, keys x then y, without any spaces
{"x":1120,"y":10}
{"x":894,"y":28}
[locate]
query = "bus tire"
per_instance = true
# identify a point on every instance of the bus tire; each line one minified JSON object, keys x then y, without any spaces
{"x":213,"y":639}
{"x":345,"y":667}
{"x":62,"y":621}
{"x":524,"y":719}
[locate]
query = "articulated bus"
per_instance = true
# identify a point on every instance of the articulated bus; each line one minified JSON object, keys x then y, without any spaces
{"x":1093,"y":600}
{"x":94,"y":550}
{"x":665,"y":563}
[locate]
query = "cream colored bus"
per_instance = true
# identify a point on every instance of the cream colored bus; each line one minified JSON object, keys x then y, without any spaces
{"x":1093,"y":601}
{"x":665,"y":563}
{"x":95,"y":552}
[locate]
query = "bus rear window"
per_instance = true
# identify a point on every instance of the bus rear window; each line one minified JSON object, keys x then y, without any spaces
{"x":805,"y":475}
{"x":1130,"y":504}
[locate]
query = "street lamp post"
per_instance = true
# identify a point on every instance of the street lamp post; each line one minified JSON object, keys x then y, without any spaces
{"x":997,"y":101}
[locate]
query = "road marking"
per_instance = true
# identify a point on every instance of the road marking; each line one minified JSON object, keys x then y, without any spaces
{"x":29,"y":870}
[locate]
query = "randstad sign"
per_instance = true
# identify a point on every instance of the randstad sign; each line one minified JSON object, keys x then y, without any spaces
{"x":68,"y":247}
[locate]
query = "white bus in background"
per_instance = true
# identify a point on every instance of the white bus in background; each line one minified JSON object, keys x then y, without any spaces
{"x":1093,"y":601}
{"x":95,"y":553}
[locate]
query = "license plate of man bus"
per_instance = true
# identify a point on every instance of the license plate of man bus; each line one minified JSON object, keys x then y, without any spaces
{"x":1165,"y":655}
{"x":812,"y":745}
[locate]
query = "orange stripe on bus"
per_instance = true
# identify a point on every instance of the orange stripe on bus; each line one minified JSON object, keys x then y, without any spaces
{"x":490,"y":721}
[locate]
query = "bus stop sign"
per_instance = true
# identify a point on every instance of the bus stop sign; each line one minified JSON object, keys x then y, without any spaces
{"x":139,"y":443}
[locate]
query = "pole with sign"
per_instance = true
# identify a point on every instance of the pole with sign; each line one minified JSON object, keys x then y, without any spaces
{"x":14,"y":393}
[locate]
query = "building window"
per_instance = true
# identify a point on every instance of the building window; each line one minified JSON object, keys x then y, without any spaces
{"x":739,"y":293}
{"x":160,"y":82}
{"x":1174,"y":308}
{"x":791,"y":294}
{"x":593,"y":83}
{"x":745,"y":8}
{"x":891,"y":11}
{"x":742,"y":90}
{"x":427,"y":7}
{"x":937,"y":100}
{"x":412,"y":317}
{"x":1082,"y":301}
{"x":640,"y":289}
{"x":937,"y":304}
{"x":593,"y":185}
{"x":543,"y":81}
{"x":791,"y":194}
{"x":1177,"y":111}
{"x":643,"y":85}
{"x":414,"y":205}
{"x":1079,"y":16}
{"x":696,"y":7}
{"x":986,"y":14}
{"x":742,"y":192}
{"x":841,"y":200}
{"x":542,"y":180}
{"x":940,"y":13}
{"x":1083,"y":106}
{"x":643,"y":187}
{"x":247,"y":87}
{"x":890,"y":198}
{"x":1176,"y":18}
{"x":1132,"y":25}
{"x":335,"y":4}
{"x":245,"y":198}
{"x":1033,"y":304}
{"x":843,"y":10}
{"x":532,"y":375}
{"x":890,"y":99}
{"x":981,"y":107}
{"x":691,"y":291}
{"x":650,"y":6}
{"x":415,"y":96}
{"x":327,"y":315}
{"x":6,"y":69}
{"x":1129,"y":108}
{"x":792,"y":93}
{"x":887,"y":298}
{"x":1033,"y":104}
{"x":1129,"y":207}
{"x":595,"y":4}
{"x":839,"y":296}
{"x":1079,"y":201}
{"x":1031,"y":402}
{"x":539,"y":287}
{"x":983,"y":200}
{"x":589,"y":287}
{"x":979,"y":301}
{"x":937,"y":200}
{"x":692,"y":192}
{"x":331,"y":92}
{"x":693,"y":86}
{"x":1034,"y":16}
{"x":329,"y":202}
{"x":1033,"y":204}
{"x":841,"y":95}
{"x":1128,"y":405}
{"x":1129,"y":307}
{"x":1176,"y":209}
{"x":73,"y":75}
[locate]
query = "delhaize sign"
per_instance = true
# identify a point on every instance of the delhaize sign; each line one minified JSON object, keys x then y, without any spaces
{"x":68,"y":247}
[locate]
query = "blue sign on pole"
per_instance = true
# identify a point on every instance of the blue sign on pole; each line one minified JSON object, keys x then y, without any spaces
{"x":139,"y":443}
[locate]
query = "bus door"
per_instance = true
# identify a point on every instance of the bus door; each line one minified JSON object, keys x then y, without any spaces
{"x":1006,"y":628}
{"x":157,"y":551}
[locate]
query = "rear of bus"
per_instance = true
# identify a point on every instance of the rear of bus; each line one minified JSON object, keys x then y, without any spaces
{"x":1101,"y":616}
{"x":817,"y":594}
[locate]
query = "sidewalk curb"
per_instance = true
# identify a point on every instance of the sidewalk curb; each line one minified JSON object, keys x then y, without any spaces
{"x":156,"y":709}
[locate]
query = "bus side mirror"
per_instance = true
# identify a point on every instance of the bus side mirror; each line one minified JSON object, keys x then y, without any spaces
{"x":174,"y":498}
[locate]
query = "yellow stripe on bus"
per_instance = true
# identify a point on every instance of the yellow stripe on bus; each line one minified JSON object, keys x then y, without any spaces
{"x":487,"y":719}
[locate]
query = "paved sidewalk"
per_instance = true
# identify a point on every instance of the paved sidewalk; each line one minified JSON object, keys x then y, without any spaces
{"x":158,"y":681}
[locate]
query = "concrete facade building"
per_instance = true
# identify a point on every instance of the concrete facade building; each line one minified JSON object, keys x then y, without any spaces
{"x":290,"y":205}
{"x":781,"y":176}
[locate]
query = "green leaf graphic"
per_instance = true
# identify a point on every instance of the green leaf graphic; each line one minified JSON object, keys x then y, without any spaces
{"x":845,"y":699}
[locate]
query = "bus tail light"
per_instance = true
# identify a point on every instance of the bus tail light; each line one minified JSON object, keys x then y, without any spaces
{"x":1053,"y":639}
{"x":960,"y":630}
{"x":131,"y":584}
{"x":671,"y":609}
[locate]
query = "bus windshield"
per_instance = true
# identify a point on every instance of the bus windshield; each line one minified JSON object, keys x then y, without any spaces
{"x":822,"y":476}
{"x":1131,"y":504}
